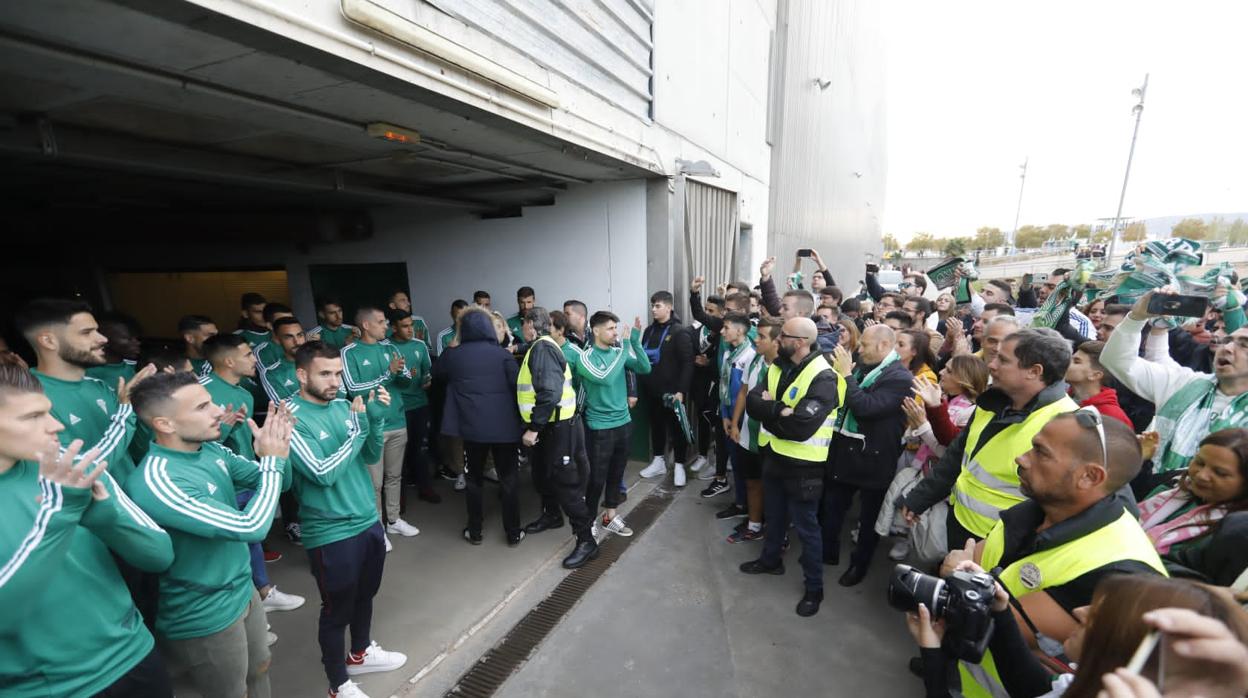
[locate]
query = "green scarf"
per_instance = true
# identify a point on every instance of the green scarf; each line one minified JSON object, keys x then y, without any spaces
{"x":847,"y":423}
{"x":1187,"y":418}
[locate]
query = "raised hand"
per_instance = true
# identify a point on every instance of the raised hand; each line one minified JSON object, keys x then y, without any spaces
{"x":357,"y":404}
{"x":382,"y":395}
{"x":842,"y":361}
{"x":124,"y":388}
{"x":273,"y":439}
{"x":765,"y":269}
{"x":637,"y":322}
{"x":397,"y":363}
{"x":696,"y":286}
{"x":233,"y":416}
{"x":916,"y":416}
{"x":59,"y":466}
{"x":927,"y":390}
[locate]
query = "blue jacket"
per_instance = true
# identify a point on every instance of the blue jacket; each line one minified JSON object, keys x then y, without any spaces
{"x":480,"y":377}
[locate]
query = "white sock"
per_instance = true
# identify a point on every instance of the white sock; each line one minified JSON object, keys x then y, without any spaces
{"x":756,"y":527}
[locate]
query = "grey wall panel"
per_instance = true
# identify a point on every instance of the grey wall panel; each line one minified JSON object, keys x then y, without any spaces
{"x":602,"y":45}
{"x":828,"y":164}
{"x":712,"y":228}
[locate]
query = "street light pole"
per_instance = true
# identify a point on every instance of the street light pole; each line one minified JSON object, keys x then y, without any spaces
{"x":1138,"y":110}
{"x":1019,"y":209}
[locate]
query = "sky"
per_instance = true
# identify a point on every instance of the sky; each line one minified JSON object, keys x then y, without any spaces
{"x":976,"y":87}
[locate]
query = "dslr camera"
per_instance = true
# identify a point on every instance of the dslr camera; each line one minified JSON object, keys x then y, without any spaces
{"x":963,"y":600}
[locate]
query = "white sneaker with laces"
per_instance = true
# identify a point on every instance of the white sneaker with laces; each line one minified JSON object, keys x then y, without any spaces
{"x":402,"y":528}
{"x":899,"y":550}
{"x":350,"y":689}
{"x":389,"y":546}
{"x":697,"y":464}
{"x":460,"y":484}
{"x":656,"y":468}
{"x":270,"y":638}
{"x":376,"y":659}
{"x":678,"y":476}
{"x":276,"y":600}
{"x":618,"y":527}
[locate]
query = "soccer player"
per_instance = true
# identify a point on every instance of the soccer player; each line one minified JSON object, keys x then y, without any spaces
{"x":251,"y":325}
{"x":332,"y":331}
{"x":399,"y":300}
{"x":67,"y":342}
{"x":195,"y":330}
{"x":279,"y":380}
{"x":122,"y":350}
{"x":578,"y":324}
{"x":526,"y":298}
{"x":69,"y":626}
{"x":332,"y":443}
{"x":448,"y":336}
{"x":210,"y":618}
{"x":482,"y":299}
{"x":415,"y":400}
{"x":367,"y":365}
{"x":269,"y":352}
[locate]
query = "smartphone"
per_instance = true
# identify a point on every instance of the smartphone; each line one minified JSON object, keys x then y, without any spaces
{"x":805,"y":252}
{"x":1152,"y":642}
{"x":1181,"y":306}
{"x":873,"y":268}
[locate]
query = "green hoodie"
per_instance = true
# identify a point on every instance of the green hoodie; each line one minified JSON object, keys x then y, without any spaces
{"x":195,"y":497}
{"x":68,"y":626}
{"x":329,"y":450}
{"x":602,"y":376}
{"x":90,"y":411}
{"x":237,"y":437}
{"x":416,"y":355}
{"x":279,"y":381}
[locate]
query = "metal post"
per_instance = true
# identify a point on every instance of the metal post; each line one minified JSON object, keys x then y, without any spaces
{"x":1019,"y":209}
{"x":1138,"y":109}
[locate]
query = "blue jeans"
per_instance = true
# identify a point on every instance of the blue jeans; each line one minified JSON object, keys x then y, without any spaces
{"x":259,"y":575}
{"x":790,"y":499}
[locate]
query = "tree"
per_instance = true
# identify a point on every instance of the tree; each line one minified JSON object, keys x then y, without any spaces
{"x":988,"y":238}
{"x":921,"y":242}
{"x":1237,"y":232}
{"x":1057,"y":232}
{"x":1082,"y":232}
{"x":1030,"y":236}
{"x":955,"y":247}
{"x":1190,"y":228}
{"x":1102,"y":234}
{"x":890,"y":243}
{"x":1136,"y":232}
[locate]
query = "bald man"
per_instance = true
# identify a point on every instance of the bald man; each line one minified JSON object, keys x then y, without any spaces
{"x":795,"y":407}
{"x":867,"y":446}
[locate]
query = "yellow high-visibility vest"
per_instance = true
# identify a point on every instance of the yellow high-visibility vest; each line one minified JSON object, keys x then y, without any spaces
{"x":814,"y":449}
{"x":988,"y":483}
{"x":526,"y":396}
{"x":1123,"y":539}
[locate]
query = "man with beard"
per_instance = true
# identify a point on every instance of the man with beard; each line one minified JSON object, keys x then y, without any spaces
{"x":1071,"y":532}
{"x":210,"y":619}
{"x":796,"y":409}
{"x":67,"y":341}
{"x":194,"y":331}
{"x":122,"y":350}
{"x":279,"y":380}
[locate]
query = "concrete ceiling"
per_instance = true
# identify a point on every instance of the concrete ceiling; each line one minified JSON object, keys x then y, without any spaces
{"x":142,"y":103}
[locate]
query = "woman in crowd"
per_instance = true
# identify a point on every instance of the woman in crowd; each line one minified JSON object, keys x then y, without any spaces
{"x":914,"y":350}
{"x":1125,"y":609}
{"x":1200,"y":523}
{"x":849,"y":336}
{"x":946,"y":311}
{"x":1095,"y":310}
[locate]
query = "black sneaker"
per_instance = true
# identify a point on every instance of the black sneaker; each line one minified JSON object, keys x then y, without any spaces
{"x":732,"y":511}
{"x":716,"y":488}
{"x":474,"y":538}
{"x":294,"y":533}
{"x":446,"y":474}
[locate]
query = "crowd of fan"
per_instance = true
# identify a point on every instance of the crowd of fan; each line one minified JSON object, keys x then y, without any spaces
{"x":1098,"y":472}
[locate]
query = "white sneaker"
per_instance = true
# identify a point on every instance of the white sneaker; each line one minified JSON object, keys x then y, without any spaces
{"x":678,"y":476}
{"x":270,"y":638}
{"x":697,"y":464}
{"x":618,"y":527}
{"x":899,"y":550}
{"x":656,"y":468}
{"x":402,"y":528}
{"x":460,"y":484}
{"x":279,"y":601}
{"x":597,"y":531}
{"x":389,"y":546}
{"x":376,"y":659}
{"x":350,"y":689}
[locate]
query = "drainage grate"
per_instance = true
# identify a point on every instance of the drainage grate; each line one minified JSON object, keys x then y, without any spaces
{"x":501,"y":661}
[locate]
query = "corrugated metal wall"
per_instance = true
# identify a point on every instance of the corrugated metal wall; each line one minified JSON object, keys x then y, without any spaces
{"x":828,"y":158}
{"x":604,"y":46}
{"x":712,"y":227}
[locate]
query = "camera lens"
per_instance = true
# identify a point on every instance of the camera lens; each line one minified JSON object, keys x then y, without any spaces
{"x":908,"y":587}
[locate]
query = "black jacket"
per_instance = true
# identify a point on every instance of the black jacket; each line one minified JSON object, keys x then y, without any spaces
{"x":546,"y":366}
{"x":480,"y":379}
{"x":939,"y":482}
{"x":829,"y":334}
{"x":802,"y":424}
{"x":674,"y":371}
{"x":1221,"y":559}
{"x":871,"y":462}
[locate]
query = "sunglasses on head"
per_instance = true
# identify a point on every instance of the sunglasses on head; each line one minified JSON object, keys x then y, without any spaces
{"x":1090,"y":418}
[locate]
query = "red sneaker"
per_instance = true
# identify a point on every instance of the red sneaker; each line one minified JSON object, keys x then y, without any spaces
{"x":272,"y":556}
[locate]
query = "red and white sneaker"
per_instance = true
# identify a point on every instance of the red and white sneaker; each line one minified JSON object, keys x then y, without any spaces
{"x":350,"y":689}
{"x":373,"y":659}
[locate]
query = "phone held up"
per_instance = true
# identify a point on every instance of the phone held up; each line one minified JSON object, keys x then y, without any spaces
{"x":1181,"y":306}
{"x":805,"y":252}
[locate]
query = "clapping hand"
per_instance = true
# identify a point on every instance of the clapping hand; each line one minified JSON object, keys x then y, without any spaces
{"x":234,"y":416}
{"x":916,"y":416}
{"x":842,"y":361}
{"x":59,"y":467}
{"x":124,"y":388}
{"x":273,"y":439}
{"x":927,"y":391}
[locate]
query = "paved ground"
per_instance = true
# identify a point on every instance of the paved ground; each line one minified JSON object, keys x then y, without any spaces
{"x":673,"y":615}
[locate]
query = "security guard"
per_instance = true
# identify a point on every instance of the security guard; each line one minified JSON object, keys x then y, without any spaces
{"x":1051,"y":550}
{"x":548,"y":408}
{"x":978,"y":468}
{"x":796,"y":409}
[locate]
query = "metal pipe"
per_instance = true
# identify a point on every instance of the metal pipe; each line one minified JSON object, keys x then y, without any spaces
{"x":1139,"y":111}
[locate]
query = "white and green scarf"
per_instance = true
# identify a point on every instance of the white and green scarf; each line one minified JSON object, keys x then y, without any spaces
{"x":725,"y":370}
{"x":1187,"y":418}
{"x":847,"y":424}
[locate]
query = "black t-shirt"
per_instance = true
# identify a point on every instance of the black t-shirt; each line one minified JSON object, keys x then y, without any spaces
{"x":1022,"y":539}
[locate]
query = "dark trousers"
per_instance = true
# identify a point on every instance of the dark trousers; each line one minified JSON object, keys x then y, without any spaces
{"x":348,"y":575}
{"x":290,"y":507}
{"x":664,"y":423}
{"x":147,"y":679}
{"x":557,"y":475}
{"x":506,"y":464}
{"x":608,"y":456}
{"x":708,"y":426}
{"x":790,"y":499}
{"x":723,"y":449}
{"x":415,"y":463}
{"x":837,"y":498}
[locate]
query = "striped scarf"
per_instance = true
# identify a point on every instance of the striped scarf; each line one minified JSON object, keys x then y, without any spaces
{"x":1173,"y":517}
